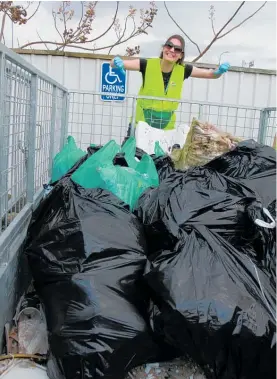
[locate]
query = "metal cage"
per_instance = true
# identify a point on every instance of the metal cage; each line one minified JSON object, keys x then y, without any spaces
{"x":91,"y":120}
{"x":37,"y":114}
{"x":33,"y":125}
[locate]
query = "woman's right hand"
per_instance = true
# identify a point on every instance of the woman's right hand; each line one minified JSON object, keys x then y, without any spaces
{"x":127,"y":64}
{"x":118,"y":63}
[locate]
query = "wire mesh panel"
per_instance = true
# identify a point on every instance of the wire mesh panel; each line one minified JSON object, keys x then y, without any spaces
{"x":94,"y":121}
{"x":58,"y":101}
{"x":270,"y":126}
{"x":240,"y":122}
{"x":43,"y":132}
{"x":31,"y":132}
{"x":14,"y":126}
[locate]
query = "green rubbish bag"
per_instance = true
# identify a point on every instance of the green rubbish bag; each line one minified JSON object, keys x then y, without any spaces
{"x":158,"y":150}
{"x":66,"y":159}
{"x":146,"y":167}
{"x":126,"y":183}
{"x":129,"y":150}
{"x":88,"y":174}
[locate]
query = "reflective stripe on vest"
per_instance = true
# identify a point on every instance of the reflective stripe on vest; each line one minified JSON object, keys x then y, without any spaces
{"x":160,"y":114}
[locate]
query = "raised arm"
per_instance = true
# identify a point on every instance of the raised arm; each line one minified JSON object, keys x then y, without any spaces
{"x":127,"y":64}
{"x":203,"y":73}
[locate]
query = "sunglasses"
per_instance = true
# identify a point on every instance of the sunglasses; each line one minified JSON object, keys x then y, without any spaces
{"x":177,"y":49}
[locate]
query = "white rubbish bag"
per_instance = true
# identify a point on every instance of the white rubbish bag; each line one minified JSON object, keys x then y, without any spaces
{"x":24,"y":369}
{"x":146,"y":136}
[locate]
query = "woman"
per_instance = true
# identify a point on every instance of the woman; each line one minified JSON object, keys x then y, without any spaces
{"x":164,"y":77}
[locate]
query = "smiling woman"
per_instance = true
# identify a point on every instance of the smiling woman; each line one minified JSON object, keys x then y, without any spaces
{"x":164,"y":77}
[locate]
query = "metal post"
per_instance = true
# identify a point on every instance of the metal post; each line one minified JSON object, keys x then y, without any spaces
{"x":64,"y":121}
{"x":2,"y":169}
{"x":200,"y":112}
{"x":3,"y":141}
{"x":52,"y":131}
{"x":32,"y":140}
{"x":133,"y":118}
{"x":263,"y":124}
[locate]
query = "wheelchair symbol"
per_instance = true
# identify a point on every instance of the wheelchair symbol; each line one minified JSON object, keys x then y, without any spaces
{"x":111,"y":77}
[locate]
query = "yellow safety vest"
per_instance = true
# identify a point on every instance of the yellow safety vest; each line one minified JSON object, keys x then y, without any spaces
{"x":160,"y":114}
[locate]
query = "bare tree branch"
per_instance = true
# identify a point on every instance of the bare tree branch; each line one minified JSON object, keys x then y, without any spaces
{"x":241,"y":23}
{"x":132,"y":34}
{"x":212,"y":12}
{"x":37,"y":8}
{"x":3,"y":26}
{"x":105,"y":47}
{"x":117,"y":28}
{"x":64,"y":23}
{"x":82,"y":14}
{"x":28,"y":6}
{"x":16,"y":13}
{"x":212,"y":21}
{"x":109,"y":28}
{"x":218,"y":33}
{"x":75,"y":46}
{"x":188,"y":37}
{"x":119,"y":38}
{"x":78,"y":32}
{"x":42,"y":41}
{"x":39,"y":42}
{"x":78,"y":37}
{"x":54,"y":15}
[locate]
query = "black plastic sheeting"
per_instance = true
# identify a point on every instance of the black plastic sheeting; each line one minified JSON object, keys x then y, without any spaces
{"x":87,"y":257}
{"x":253,"y":164}
{"x":211,"y":267}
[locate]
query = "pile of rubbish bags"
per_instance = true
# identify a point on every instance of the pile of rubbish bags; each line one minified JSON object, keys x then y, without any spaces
{"x":136,"y":262}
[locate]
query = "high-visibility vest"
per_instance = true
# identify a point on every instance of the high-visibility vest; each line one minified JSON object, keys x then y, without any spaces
{"x":160,"y":114}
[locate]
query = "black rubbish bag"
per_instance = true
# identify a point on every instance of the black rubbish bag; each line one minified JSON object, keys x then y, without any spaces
{"x":200,"y":195}
{"x":262,"y":248}
{"x":253,"y":164}
{"x":216,"y":306}
{"x":164,"y":166}
{"x":87,"y":256}
{"x":216,"y":303}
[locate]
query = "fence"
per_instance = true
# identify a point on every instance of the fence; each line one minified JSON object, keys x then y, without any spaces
{"x":32,"y":129}
{"x":268,"y":126}
{"x":94,"y":121}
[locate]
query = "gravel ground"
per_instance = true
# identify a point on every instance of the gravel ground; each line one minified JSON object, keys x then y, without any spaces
{"x":177,"y":369}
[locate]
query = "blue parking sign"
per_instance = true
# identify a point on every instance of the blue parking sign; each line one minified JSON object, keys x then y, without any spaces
{"x":113,"y":80}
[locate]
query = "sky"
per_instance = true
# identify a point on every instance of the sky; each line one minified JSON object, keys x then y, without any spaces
{"x":253,"y":41}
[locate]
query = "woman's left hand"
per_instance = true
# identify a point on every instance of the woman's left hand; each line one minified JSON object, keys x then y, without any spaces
{"x":224,"y":67}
